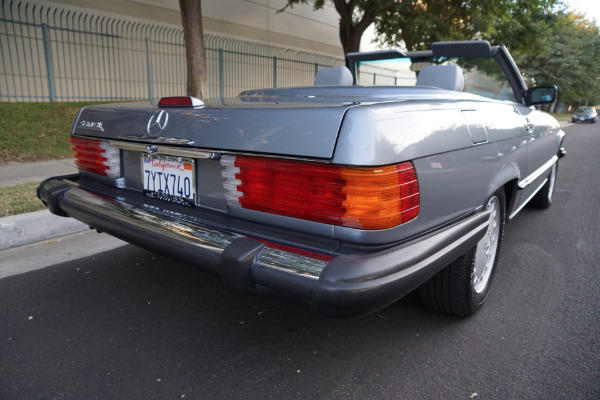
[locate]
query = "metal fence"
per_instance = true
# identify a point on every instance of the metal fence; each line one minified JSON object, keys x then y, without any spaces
{"x":370,"y":75}
{"x":55,"y":53}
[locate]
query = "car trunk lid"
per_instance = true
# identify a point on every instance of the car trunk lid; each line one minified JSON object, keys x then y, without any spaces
{"x":297,"y":130}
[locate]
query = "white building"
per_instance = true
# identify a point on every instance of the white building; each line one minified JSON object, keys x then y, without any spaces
{"x":65,"y":50}
{"x":255,"y":20}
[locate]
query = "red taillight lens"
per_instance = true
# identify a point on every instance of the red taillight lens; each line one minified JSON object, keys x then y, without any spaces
{"x":180,"y":101}
{"x":366,"y":198}
{"x":96,"y":156}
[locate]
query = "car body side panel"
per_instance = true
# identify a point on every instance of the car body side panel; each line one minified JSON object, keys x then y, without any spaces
{"x":456,"y":177}
{"x":451,"y":184}
{"x":543,"y":141}
{"x":388,"y":133}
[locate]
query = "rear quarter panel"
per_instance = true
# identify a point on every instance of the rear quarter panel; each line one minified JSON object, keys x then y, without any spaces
{"x":456,"y":175}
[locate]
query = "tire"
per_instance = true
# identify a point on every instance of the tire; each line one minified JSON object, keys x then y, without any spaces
{"x":461,"y":288}
{"x":543,"y":198}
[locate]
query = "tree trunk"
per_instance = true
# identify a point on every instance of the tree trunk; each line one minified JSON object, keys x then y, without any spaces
{"x":350,"y":38}
{"x":351,"y":31}
{"x":191,"y":18}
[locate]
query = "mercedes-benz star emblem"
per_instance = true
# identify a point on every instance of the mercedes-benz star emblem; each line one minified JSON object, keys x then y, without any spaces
{"x":157,"y":123}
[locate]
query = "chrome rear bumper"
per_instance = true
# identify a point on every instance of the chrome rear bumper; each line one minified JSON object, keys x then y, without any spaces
{"x":347,"y":285}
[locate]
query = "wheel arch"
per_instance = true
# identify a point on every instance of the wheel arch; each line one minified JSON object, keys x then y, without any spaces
{"x":507,"y":179}
{"x":510,"y":193}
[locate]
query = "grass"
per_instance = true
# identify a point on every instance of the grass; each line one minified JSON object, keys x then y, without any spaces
{"x":32,"y":132}
{"x":562,"y":116}
{"x":36,"y":131}
{"x":19,"y":199}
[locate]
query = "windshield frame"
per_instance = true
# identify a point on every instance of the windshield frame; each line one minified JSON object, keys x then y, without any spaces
{"x":466,"y":49}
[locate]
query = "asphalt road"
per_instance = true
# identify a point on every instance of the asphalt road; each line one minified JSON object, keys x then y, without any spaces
{"x":128,"y":324}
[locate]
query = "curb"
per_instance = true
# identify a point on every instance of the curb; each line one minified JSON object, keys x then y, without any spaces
{"x":22,"y":229}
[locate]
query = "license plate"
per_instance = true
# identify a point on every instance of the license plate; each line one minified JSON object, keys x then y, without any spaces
{"x":169,"y":178}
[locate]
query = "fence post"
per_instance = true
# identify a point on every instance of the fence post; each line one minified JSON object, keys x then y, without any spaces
{"x":149,"y":62}
{"x":221,"y":77}
{"x":274,"y":71}
{"x":48,"y":58}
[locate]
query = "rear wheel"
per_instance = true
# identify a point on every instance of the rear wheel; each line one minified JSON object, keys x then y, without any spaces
{"x":462,"y":287}
{"x":543,"y":198}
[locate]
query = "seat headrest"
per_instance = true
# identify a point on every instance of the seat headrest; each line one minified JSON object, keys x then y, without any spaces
{"x":449,"y":77}
{"x":333,"y":76}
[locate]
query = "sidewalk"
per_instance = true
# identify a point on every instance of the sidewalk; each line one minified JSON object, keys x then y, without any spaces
{"x":17,"y":173}
{"x":19,"y":230}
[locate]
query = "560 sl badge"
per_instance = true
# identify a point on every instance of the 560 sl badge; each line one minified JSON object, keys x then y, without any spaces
{"x":91,"y":125}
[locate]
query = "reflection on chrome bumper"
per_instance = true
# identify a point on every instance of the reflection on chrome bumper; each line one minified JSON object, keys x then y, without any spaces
{"x":191,"y":234}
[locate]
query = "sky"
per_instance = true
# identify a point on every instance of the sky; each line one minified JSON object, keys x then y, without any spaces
{"x":590,"y":8}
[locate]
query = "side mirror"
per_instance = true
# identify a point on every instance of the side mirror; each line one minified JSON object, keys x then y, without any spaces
{"x":541,"y":95}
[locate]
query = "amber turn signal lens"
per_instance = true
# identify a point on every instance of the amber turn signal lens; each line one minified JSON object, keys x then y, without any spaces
{"x":380,"y":198}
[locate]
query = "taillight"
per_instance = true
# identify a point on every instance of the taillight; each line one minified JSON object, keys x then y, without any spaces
{"x":180,"y":101}
{"x":366,"y":198}
{"x":96,"y":156}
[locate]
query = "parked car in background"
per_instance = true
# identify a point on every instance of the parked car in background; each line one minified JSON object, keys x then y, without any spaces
{"x":344,"y":196}
{"x":585,"y":114}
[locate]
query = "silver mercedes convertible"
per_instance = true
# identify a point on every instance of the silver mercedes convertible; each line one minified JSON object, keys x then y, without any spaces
{"x":394,"y":173}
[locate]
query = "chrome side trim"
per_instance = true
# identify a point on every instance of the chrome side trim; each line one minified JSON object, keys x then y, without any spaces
{"x":537,"y":173}
{"x":170,"y":151}
{"x":511,"y":216}
{"x":191,"y":234}
{"x":160,"y":139}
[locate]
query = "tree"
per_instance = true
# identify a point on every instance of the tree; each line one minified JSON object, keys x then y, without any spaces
{"x":572,"y":62}
{"x":191,"y":18}
{"x":355,"y":17}
{"x":415,"y":24}
{"x":419,"y":23}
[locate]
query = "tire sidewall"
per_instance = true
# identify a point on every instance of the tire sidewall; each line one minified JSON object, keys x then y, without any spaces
{"x":543,"y":198}
{"x":551,"y":183}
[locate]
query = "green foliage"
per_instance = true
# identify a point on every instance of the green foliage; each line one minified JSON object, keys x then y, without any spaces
{"x":526,"y":27}
{"x":572,"y":61}
{"x":415,"y":24}
{"x":19,"y":199}
{"x":36,"y":131}
{"x":419,"y":23}
{"x":551,"y":46}
{"x":355,"y":17}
